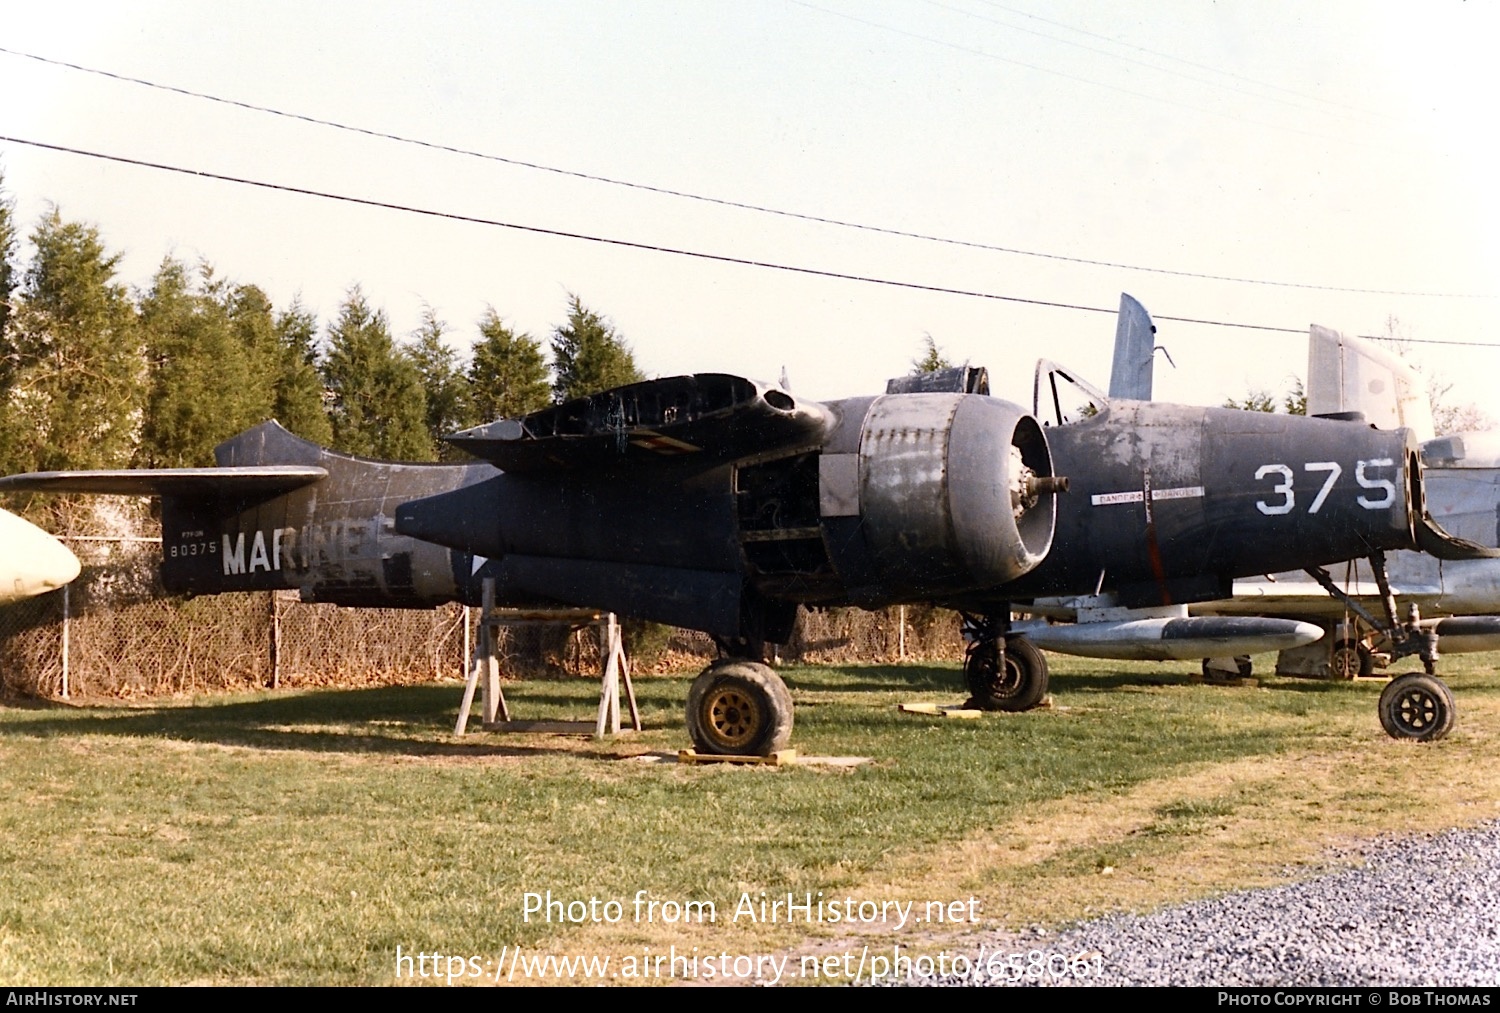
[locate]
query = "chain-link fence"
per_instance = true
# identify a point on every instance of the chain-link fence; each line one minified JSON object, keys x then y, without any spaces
{"x":114,"y":633}
{"x":901,"y":633}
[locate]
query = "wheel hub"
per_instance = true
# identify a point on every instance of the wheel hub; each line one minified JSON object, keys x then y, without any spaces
{"x":1010,"y":682}
{"x":1416,"y":710}
{"x":733,"y":717}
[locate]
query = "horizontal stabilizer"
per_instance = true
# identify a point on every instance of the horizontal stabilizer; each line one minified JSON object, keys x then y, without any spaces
{"x":264,"y":480}
{"x":707,"y":417}
{"x":1171,"y":639}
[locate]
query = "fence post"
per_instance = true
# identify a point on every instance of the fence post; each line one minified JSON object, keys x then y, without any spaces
{"x":275,"y":641}
{"x":67,"y":614}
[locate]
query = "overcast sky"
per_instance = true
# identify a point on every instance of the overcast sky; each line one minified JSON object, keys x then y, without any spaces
{"x":1324,"y":147}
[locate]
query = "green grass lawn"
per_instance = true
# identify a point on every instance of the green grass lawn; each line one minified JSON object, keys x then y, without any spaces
{"x":303,"y":837}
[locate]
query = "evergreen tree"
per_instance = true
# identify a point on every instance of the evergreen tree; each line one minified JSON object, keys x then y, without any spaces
{"x":253,"y":320}
{"x":449,"y":405}
{"x":932,"y":360}
{"x":1255,"y":401}
{"x":209,"y":347}
{"x":7,"y":255}
{"x":298,"y":400}
{"x":72,"y":363}
{"x":588,"y":355}
{"x":376,"y":400}
{"x":508,"y":376}
{"x":1293,"y":401}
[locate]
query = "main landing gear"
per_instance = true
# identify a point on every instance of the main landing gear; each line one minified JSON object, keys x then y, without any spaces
{"x":738,"y":707}
{"x":1416,"y":706}
{"x":1005,"y":672}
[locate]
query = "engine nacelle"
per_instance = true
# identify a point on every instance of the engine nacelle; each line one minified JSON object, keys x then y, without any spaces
{"x":954,"y":494}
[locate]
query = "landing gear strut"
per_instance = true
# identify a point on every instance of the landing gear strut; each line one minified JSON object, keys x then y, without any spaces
{"x":1004,"y":670}
{"x":1414,"y":706}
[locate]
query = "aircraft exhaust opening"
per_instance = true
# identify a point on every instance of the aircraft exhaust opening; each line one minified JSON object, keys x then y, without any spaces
{"x":780,"y":400}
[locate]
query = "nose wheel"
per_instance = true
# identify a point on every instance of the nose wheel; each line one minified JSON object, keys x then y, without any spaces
{"x":1417,"y":706}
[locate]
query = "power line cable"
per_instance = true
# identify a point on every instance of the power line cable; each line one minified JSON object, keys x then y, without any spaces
{"x":720,"y":201}
{"x":986,"y":54}
{"x":655,"y":248}
{"x":1177,"y":59}
{"x":1295,"y":100}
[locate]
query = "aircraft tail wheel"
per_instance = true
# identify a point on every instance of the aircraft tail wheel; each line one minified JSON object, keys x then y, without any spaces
{"x":1020,"y":687}
{"x":1418,"y":707}
{"x":739,"y":708}
{"x":1351,"y":658}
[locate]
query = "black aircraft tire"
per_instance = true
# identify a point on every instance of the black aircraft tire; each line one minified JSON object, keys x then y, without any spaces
{"x":1418,"y":707}
{"x":1023,"y":684}
{"x":739,"y":708}
{"x":1242,"y":665}
{"x":1350,"y":659}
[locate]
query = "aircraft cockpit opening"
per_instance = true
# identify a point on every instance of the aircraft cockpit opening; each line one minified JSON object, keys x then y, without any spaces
{"x":1059,"y":396}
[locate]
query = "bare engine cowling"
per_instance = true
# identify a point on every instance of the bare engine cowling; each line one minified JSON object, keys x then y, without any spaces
{"x":956,"y":494}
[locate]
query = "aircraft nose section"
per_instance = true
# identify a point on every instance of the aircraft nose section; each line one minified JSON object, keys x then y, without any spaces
{"x":33,"y":562}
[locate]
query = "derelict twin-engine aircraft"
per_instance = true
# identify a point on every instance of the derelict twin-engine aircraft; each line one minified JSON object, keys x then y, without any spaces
{"x":721,"y":504}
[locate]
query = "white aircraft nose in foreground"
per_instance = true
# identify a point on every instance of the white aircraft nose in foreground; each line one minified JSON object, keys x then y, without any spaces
{"x":32,"y":562}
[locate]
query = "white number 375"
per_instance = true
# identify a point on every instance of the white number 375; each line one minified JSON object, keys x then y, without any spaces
{"x":1283,"y":476}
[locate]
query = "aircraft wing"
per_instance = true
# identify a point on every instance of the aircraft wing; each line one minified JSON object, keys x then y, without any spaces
{"x":206,"y":482}
{"x":1293,"y":594}
{"x":705,"y":416}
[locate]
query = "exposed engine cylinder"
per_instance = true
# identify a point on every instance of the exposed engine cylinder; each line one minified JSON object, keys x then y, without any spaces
{"x":956,"y":490}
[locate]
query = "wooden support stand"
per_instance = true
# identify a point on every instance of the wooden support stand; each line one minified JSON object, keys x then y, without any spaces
{"x":779,"y":758}
{"x":939,"y":711}
{"x":484,"y":671}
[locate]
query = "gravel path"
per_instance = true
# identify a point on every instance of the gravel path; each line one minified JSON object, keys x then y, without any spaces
{"x":1421,"y":911}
